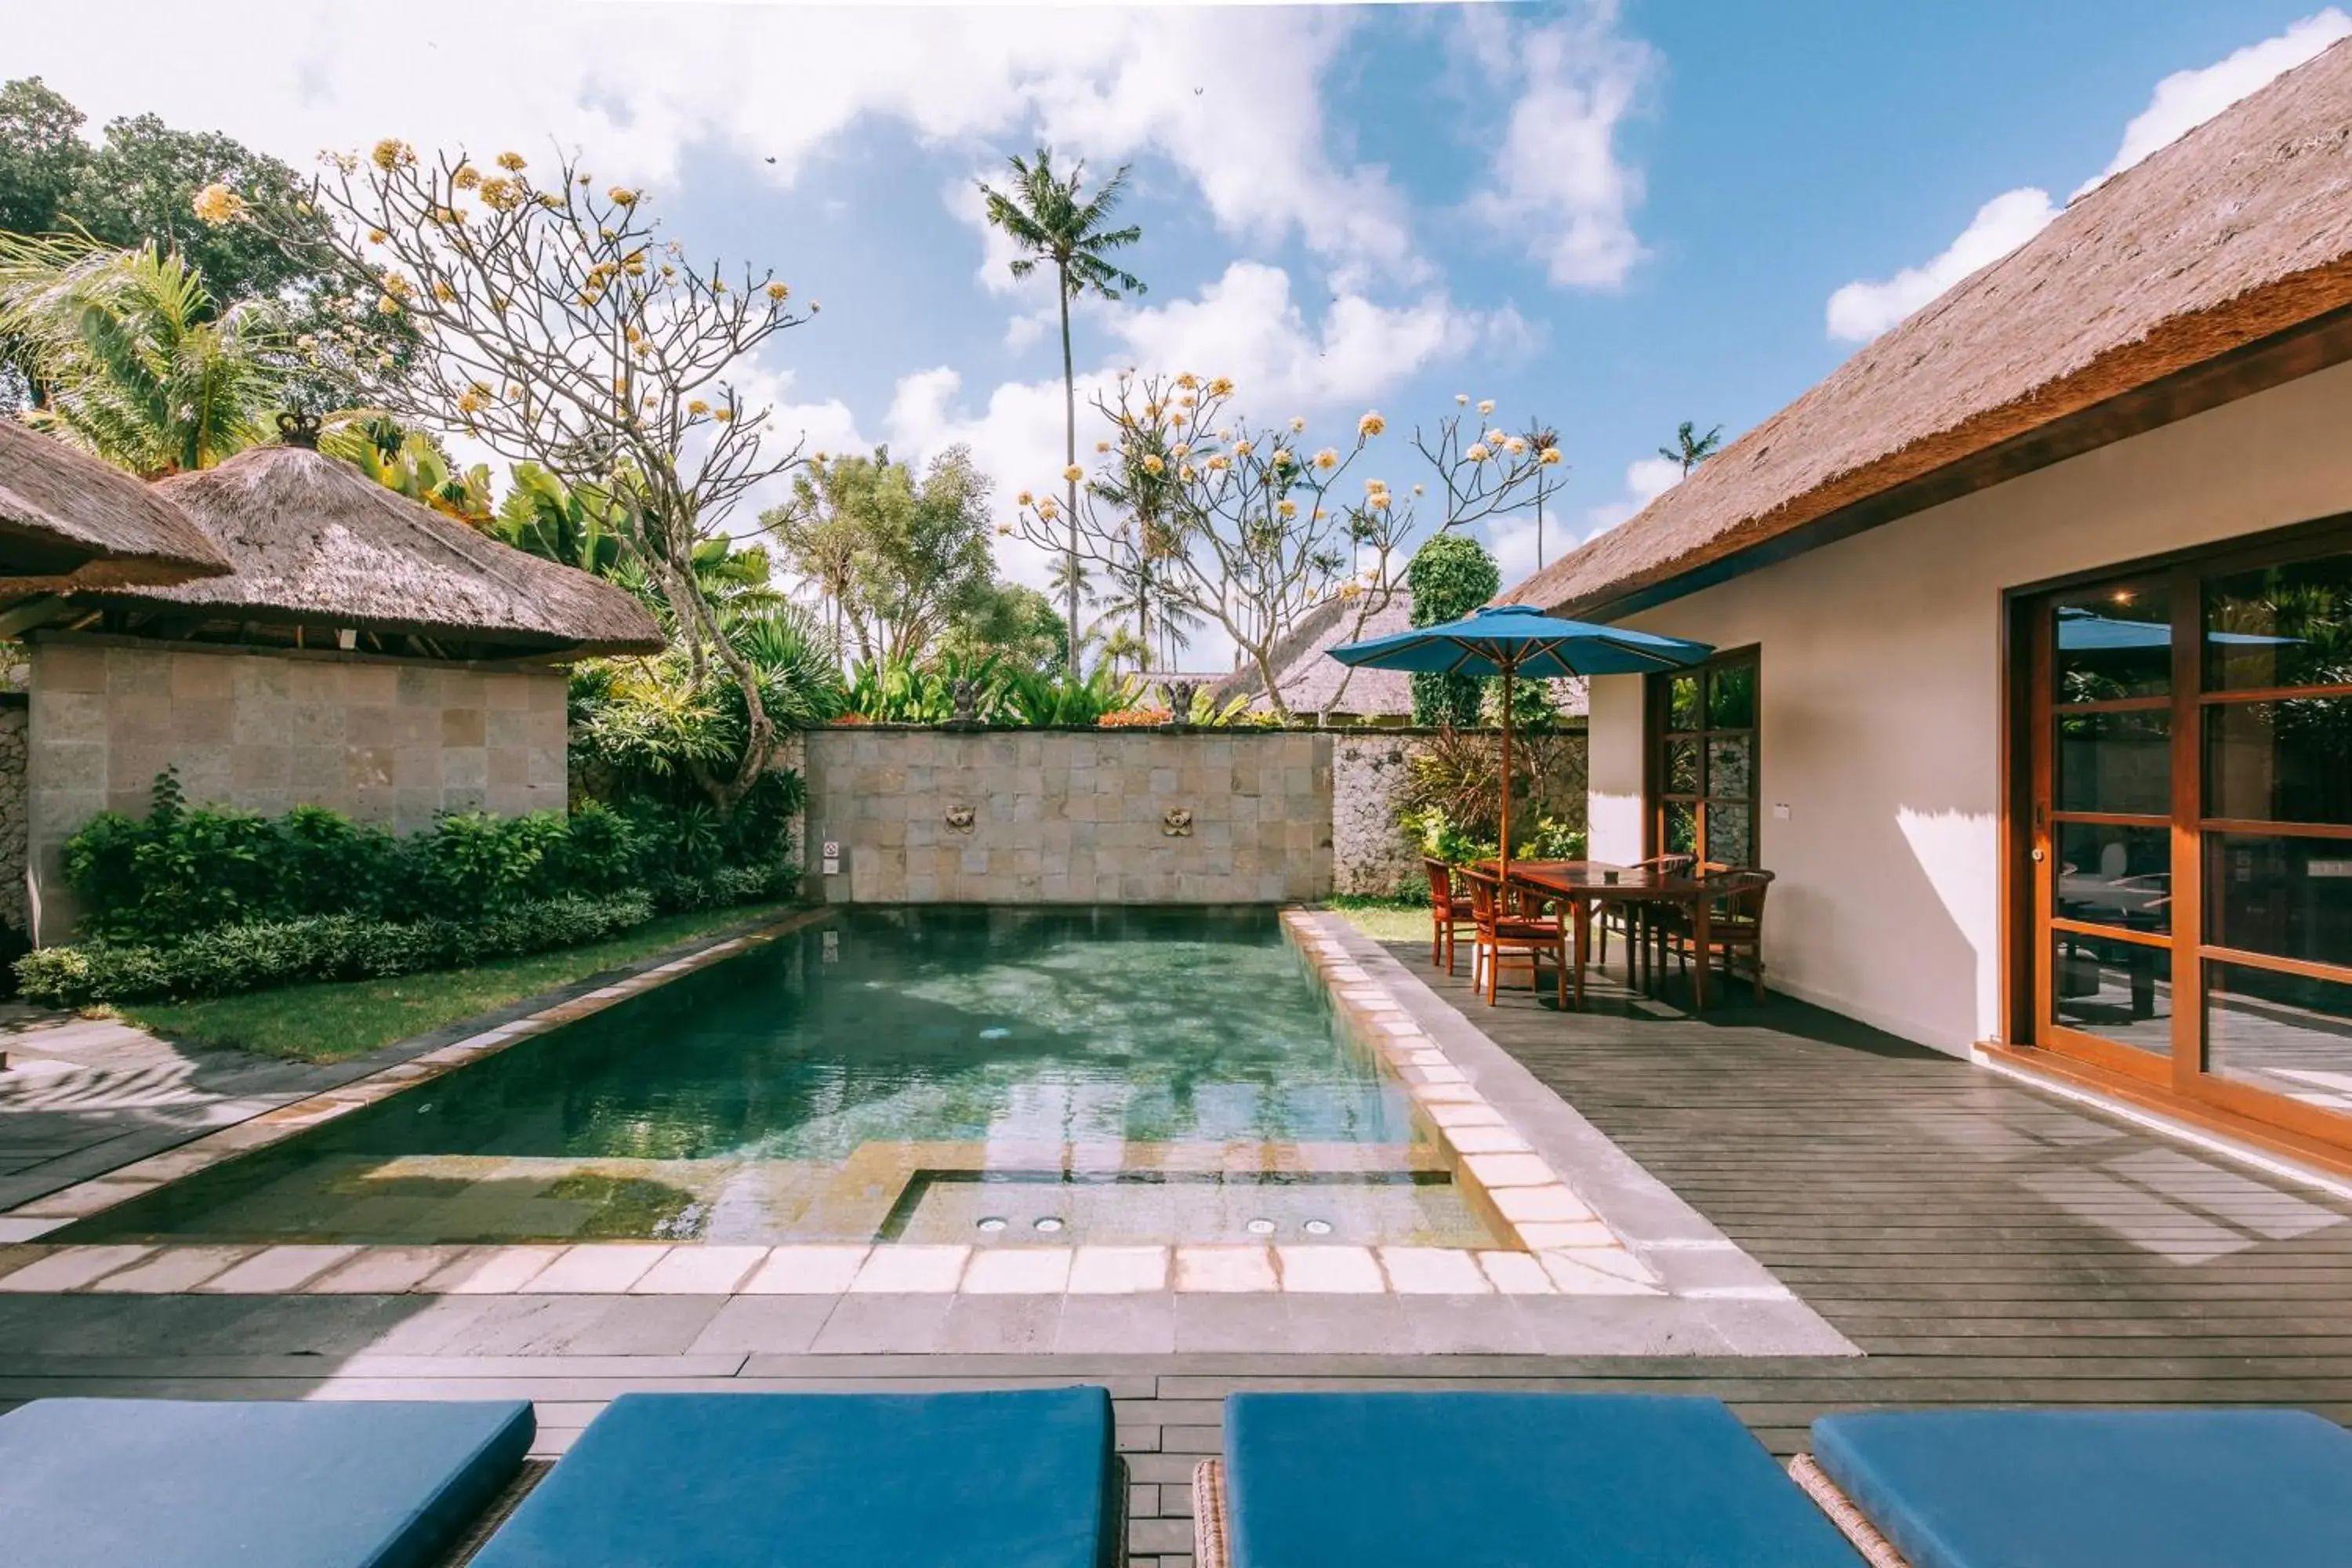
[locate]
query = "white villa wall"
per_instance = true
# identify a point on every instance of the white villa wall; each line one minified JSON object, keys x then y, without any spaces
{"x":1881,"y":694}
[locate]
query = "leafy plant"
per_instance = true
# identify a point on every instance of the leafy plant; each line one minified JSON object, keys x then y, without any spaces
{"x":1042,"y":700}
{"x":1449,"y":577}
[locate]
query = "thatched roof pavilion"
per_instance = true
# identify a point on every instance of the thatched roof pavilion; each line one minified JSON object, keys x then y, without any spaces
{"x":69,"y":522}
{"x":2219,"y":266}
{"x":325,"y":557}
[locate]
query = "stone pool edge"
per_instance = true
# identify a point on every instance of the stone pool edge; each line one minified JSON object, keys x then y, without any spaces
{"x":98,"y":1193}
{"x":1688,"y":1257}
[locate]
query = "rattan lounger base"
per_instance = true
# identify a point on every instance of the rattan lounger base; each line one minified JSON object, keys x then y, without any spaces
{"x":1874,"y":1547}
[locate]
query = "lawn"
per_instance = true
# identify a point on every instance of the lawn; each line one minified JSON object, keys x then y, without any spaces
{"x":1385,"y":920}
{"x":333,"y":1023}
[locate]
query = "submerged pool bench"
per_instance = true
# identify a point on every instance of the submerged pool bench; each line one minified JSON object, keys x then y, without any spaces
{"x":1502,"y":1480}
{"x":1019,"y":1479}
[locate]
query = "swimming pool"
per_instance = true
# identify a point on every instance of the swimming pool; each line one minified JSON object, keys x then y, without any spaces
{"x":968,"y":1075}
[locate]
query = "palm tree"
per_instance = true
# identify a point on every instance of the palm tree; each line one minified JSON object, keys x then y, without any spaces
{"x":1540,"y":437}
{"x":1046,"y":217}
{"x":1691,"y":450}
{"x":135,"y":361}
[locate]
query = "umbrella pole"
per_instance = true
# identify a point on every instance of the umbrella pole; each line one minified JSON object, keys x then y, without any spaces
{"x":1504,"y":829}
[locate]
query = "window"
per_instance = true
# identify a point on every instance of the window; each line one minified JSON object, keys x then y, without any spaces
{"x":1703,"y":725}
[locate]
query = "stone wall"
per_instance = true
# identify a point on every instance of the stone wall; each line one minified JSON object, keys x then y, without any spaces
{"x":1052,"y":817}
{"x":1370,"y":853}
{"x":15,"y":905}
{"x":392,"y":741}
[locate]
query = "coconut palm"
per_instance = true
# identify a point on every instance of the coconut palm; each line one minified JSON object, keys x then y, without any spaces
{"x":1689,"y":450}
{"x":1046,"y":217}
{"x":135,"y":360}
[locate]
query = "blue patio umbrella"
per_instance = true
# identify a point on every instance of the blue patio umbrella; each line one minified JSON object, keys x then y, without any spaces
{"x":1512,"y":640}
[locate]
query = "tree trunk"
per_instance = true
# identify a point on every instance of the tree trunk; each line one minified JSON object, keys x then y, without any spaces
{"x":1070,"y":455}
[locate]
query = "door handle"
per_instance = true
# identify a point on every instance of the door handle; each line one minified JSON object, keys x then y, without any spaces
{"x":2037,"y":857}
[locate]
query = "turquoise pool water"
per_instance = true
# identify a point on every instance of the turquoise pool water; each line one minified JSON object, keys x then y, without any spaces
{"x":893,"y":1074}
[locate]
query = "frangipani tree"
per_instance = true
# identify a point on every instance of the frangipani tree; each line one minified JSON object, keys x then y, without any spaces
{"x":560,"y":327}
{"x":1247,"y":524}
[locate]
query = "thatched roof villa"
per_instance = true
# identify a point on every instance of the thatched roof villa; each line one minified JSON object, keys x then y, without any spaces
{"x":67,"y":520}
{"x":364,"y":652}
{"x":2035,"y":626}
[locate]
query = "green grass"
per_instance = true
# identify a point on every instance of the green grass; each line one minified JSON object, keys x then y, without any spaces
{"x":332,"y":1023}
{"x":1385,"y":920}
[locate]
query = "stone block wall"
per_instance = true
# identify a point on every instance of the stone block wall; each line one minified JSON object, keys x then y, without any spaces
{"x":391,"y":741}
{"x":1105,"y":817}
{"x":14,"y":905}
{"x":1372,"y":854}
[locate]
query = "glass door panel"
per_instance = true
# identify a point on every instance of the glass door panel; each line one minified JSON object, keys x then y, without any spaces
{"x":2116,"y":991}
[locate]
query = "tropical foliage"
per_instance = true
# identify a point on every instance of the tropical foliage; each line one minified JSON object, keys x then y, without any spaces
{"x":1449,"y":576}
{"x":134,"y":361}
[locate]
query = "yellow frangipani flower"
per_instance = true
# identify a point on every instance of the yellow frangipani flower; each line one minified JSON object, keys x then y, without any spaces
{"x":776,"y":291}
{"x":1287,"y":509}
{"x":1515,"y":446}
{"x":722,"y":415}
{"x":1371,"y":424}
{"x":465,"y":176}
{"x":1221,"y":387}
{"x":1377,"y":502}
{"x":1074,"y":473}
{"x":1220,"y":463}
{"x":696,"y":406}
{"x":1188,"y":380}
{"x":1102,"y":446}
{"x":1478,"y":453}
{"x":1047,"y":509}
{"x":622,"y":196}
{"x":1486,"y":407}
{"x":1180,"y":449}
{"x":1296,"y":423}
{"x":216,"y":203}
{"x":1153,"y":464}
{"x":1241,"y":449}
{"x":1186,"y":474}
{"x":1463,"y":398}
{"x":391,"y":153}
{"x":376,"y":237}
{"x":1327,"y":459}
{"x":1023,"y":499}
{"x":387,"y":306}
{"x":1548,"y":457}
{"x":512,"y":163}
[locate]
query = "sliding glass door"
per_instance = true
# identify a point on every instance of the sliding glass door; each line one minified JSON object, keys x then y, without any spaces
{"x":2191,"y":831}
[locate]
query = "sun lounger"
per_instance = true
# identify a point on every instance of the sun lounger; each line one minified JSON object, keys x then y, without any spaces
{"x":2087,"y":1488}
{"x":107,"y":1483}
{"x":1499,"y":1480}
{"x":1021,"y":1480}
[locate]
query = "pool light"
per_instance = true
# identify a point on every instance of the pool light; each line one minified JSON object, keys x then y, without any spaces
{"x":1049,"y":1225}
{"x":1260,"y":1227}
{"x":993,"y":1223}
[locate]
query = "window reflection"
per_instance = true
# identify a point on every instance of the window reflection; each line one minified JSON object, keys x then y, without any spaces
{"x":2115,"y":876}
{"x":2279,"y":1032}
{"x":2280,"y":625}
{"x":2119,"y":991}
{"x":2116,"y":761}
{"x":2291,"y":897}
{"x":2114,"y":643}
{"x":2280,"y":762}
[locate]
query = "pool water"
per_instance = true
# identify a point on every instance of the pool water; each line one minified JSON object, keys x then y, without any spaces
{"x":956,"y":1074}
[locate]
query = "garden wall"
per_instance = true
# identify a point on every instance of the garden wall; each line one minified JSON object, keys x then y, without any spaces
{"x":14,"y":908}
{"x":385,"y":740}
{"x":1070,"y":817}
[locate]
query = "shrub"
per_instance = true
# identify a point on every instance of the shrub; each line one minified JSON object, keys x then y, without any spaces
{"x":1135,"y":719}
{"x":250,"y":956}
{"x":184,"y":871}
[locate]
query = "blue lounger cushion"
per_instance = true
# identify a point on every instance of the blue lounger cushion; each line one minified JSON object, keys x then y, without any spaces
{"x":2153,"y":1488}
{"x":1027,"y":1479}
{"x":1510,"y":1480}
{"x":101,"y":1483}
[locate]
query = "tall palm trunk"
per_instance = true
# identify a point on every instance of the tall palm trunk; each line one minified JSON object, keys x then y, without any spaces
{"x":1070,"y":455}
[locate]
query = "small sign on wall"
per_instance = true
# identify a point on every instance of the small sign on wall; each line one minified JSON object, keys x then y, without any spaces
{"x":830,"y":861}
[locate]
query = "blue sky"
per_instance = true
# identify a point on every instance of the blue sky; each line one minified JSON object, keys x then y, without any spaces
{"x":1616,"y":218}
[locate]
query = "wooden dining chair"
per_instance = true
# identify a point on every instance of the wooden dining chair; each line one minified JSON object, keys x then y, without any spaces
{"x":1500,"y":929}
{"x":1734,"y":925}
{"x":1449,"y":912}
{"x":1624,"y":913}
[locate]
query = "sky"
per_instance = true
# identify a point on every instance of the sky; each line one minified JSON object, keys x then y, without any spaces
{"x":1611,"y":218}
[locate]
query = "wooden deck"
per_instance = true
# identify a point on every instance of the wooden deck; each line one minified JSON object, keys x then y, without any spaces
{"x":1982,"y":1244}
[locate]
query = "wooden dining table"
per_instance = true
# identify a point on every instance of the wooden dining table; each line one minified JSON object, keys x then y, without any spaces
{"x":1583,"y":884}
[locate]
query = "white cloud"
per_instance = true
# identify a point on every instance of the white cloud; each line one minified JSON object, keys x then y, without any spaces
{"x":2187,"y":100}
{"x":1559,"y":182}
{"x":2182,"y":102}
{"x":1232,"y":99}
{"x":1864,"y":308}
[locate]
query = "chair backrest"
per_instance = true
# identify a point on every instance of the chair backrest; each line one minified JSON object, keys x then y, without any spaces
{"x":1485,"y":894}
{"x":1441,"y":883}
{"x":1666,"y":863}
{"x":1744,"y":888}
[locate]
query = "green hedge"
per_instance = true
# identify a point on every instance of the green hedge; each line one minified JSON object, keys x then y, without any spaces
{"x":185,"y":869}
{"x":253,"y":955}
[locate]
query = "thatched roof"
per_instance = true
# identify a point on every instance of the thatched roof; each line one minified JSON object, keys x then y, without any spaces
{"x":316,"y":542}
{"x":2236,"y":234}
{"x":67,"y":520}
{"x":1311,"y":683}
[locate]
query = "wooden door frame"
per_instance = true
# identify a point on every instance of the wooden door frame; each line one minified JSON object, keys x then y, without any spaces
{"x":2026,"y":709}
{"x":1656,"y":697}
